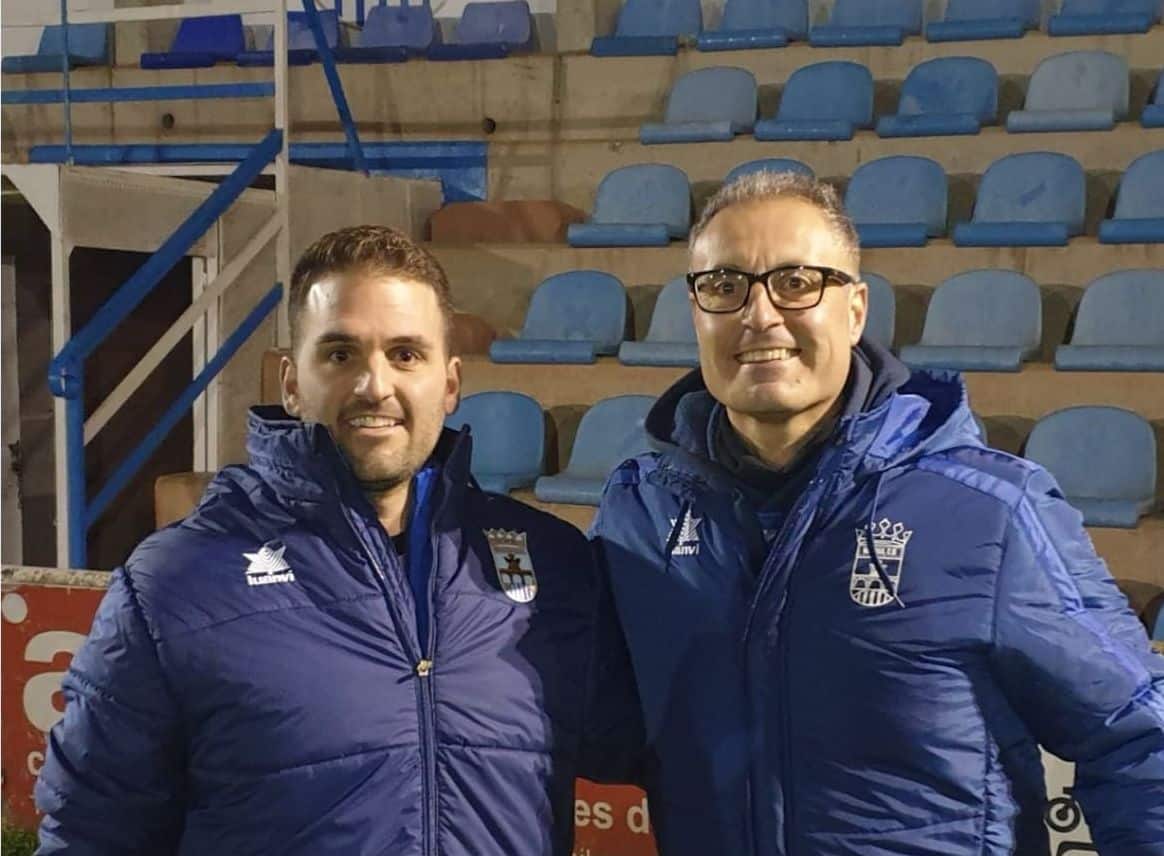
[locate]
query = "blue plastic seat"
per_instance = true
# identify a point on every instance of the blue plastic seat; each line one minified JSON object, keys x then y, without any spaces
{"x":201,"y":42}
{"x":88,"y":45}
{"x":706,"y":106}
{"x":392,"y":33}
{"x":1031,"y":199}
{"x":980,"y":321}
{"x":644,"y":205}
{"x":1097,"y":17}
{"x":509,"y":438}
{"x":671,"y":338}
{"x":1119,"y":325}
{"x":1139,"y":211}
{"x":898,"y":201}
{"x":971,"y":20}
{"x":945,"y":96}
{"x":1153,"y":115}
{"x":824,"y":101}
{"x":749,"y":24}
{"x":869,"y":22}
{"x":1104,"y":459}
{"x":651,"y":28}
{"x":769,"y":165}
{"x":610,"y":432}
{"x":572,"y":318}
{"x":301,"y":47}
{"x":489,"y":30}
{"x":1075,"y":91}
{"x":881,"y":322}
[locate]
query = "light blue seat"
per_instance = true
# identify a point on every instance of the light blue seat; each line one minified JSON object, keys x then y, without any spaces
{"x":881,"y":322}
{"x":671,"y":338}
{"x":869,"y":22}
{"x":1104,"y":459}
{"x":392,"y":33}
{"x":610,"y":432}
{"x":88,"y":45}
{"x":201,"y":42}
{"x":749,"y":24}
{"x":945,"y":96}
{"x":980,"y":321}
{"x":1031,"y":199}
{"x":509,"y":438}
{"x":1097,"y":17}
{"x":572,"y":318}
{"x":643,"y":205}
{"x":971,"y":20}
{"x":489,"y":30}
{"x":651,"y":28}
{"x":1119,"y":325}
{"x":301,"y":46}
{"x":824,"y":101}
{"x":1139,"y":211}
{"x":1074,"y":91}
{"x":769,"y":165}
{"x":1153,"y":115}
{"x":898,"y":201}
{"x":706,"y":106}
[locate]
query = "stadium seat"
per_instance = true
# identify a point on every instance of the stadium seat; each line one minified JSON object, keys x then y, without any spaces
{"x":489,"y":30}
{"x":1031,"y":199}
{"x":509,"y":438}
{"x":1075,"y":91}
{"x":706,"y":106}
{"x":572,"y":318}
{"x":980,"y":321}
{"x":1104,"y":459}
{"x":301,"y":48}
{"x":757,"y":24}
{"x":671,"y":338}
{"x":610,"y":432}
{"x":88,"y":45}
{"x":882,"y":318}
{"x":1139,"y":210}
{"x":945,"y":96}
{"x":824,"y":101}
{"x":869,"y":22}
{"x":651,"y":28}
{"x":898,"y":201}
{"x":201,"y":42}
{"x":392,"y":33}
{"x":1098,"y":17}
{"x":971,"y":20}
{"x":1153,"y":115}
{"x":1119,"y":325}
{"x":768,"y":165}
{"x":644,"y":205}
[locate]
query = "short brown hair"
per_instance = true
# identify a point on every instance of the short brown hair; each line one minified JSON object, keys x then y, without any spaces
{"x":367,"y":249}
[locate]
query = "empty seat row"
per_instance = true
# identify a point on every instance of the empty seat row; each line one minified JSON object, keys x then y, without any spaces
{"x":1074,"y":91}
{"x":654,"y":27}
{"x":1026,"y":199}
{"x":88,"y":44}
{"x":1104,"y":458}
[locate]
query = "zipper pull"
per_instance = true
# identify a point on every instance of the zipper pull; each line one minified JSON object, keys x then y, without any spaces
{"x":424,"y":668}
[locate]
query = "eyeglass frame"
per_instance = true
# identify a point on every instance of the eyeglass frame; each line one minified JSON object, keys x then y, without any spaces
{"x":832,"y":276}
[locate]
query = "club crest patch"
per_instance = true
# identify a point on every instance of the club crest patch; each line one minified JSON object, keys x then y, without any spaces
{"x":515,"y":571}
{"x":866,"y":587}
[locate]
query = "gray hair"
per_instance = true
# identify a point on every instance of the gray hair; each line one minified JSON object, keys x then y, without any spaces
{"x":767,"y":185}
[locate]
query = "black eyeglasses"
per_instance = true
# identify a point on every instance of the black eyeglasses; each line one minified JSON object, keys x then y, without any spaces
{"x":724,"y":290}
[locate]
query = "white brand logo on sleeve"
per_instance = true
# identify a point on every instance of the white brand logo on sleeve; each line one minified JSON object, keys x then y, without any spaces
{"x":687,"y":544}
{"x":865,"y":584}
{"x":268,"y":566}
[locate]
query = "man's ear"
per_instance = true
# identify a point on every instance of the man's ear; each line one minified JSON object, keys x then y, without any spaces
{"x":858,"y":311}
{"x":289,"y":385}
{"x":452,"y":385}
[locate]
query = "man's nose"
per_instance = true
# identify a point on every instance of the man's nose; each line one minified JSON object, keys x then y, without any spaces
{"x":375,"y":381}
{"x":760,"y":312}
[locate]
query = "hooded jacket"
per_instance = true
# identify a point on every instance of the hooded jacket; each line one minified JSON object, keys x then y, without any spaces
{"x":876,"y":676}
{"x":254,"y":682}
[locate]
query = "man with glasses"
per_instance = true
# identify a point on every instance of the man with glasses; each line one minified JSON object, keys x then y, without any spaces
{"x":852,"y":625}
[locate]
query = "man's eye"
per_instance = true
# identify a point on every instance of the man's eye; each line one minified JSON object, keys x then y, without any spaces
{"x":339,"y":356}
{"x":721,"y":286}
{"x":406,"y":355}
{"x":797,"y":282}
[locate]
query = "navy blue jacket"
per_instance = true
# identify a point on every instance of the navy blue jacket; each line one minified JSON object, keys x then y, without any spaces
{"x":878,"y":679}
{"x":254,"y":682}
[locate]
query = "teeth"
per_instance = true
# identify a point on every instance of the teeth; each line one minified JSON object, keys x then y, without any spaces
{"x":373,"y":422}
{"x":768,"y":355}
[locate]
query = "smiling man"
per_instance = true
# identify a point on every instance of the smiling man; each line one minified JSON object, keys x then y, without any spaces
{"x":852,"y":625}
{"x":348,"y":647}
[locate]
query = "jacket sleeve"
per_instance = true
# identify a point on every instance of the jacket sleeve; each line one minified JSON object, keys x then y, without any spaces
{"x":111,"y":779}
{"x":1077,"y":666}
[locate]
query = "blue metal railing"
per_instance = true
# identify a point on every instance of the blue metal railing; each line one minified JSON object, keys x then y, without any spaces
{"x":327,"y":59}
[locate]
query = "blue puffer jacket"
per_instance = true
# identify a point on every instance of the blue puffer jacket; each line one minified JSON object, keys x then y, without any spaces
{"x":254,"y":684}
{"x":878,"y":680}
